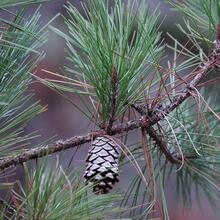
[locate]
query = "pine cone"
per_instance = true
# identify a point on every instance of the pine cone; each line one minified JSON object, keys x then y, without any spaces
{"x":102,"y":165}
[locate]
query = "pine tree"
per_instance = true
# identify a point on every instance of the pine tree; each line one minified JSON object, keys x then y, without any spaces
{"x":116,"y":57}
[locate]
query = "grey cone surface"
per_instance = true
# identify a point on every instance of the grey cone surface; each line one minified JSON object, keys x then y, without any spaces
{"x":102,"y":165}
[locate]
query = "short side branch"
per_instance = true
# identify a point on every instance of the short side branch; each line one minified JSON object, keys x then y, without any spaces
{"x":114,"y":83}
{"x":162,"y":146}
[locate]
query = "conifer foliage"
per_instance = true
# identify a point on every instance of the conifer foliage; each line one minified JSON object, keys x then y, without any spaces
{"x":148,"y":110}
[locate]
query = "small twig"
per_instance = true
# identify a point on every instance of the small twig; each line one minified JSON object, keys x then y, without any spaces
{"x":146,"y":152}
{"x":159,"y":141}
{"x":188,"y":157}
{"x":148,"y":160}
{"x":218,"y":33}
{"x":140,"y":109}
{"x":114,"y":83}
{"x":162,"y":146}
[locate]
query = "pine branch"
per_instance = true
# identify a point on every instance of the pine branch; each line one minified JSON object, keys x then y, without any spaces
{"x":114,"y":83}
{"x":143,"y":122}
{"x":160,"y":143}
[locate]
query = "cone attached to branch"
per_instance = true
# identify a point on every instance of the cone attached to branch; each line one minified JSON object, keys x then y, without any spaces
{"x":102,"y":165}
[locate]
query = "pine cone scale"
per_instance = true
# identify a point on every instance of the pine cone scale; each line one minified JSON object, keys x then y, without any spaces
{"x":102,"y":165}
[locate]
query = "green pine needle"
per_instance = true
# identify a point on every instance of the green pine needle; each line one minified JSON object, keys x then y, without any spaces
{"x":19,"y":55}
{"x":123,"y":37}
{"x":10,"y":3}
{"x":51,"y":193}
